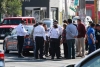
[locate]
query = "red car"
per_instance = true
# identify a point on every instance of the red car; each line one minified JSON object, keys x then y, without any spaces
{"x":8,"y":24}
{"x":2,"y":62}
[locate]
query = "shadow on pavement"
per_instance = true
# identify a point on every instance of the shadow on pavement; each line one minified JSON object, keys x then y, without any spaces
{"x":12,"y":57}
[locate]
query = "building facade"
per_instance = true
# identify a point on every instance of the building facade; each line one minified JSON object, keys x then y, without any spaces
{"x":42,"y":9}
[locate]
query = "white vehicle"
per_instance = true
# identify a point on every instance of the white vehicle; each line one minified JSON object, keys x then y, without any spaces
{"x":92,"y":60}
{"x":48,"y":22}
{"x":87,"y":18}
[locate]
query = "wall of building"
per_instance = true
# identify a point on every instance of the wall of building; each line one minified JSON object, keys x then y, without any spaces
{"x":36,"y":3}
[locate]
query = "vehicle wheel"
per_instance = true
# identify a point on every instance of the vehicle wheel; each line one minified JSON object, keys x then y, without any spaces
{"x":5,"y":48}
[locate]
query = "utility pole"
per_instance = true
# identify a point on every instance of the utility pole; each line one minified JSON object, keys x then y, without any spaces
{"x":96,"y":10}
{"x":66,"y":10}
{"x":82,"y":10}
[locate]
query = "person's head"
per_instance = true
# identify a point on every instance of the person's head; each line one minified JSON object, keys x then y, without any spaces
{"x":23,"y":22}
{"x":69,"y":21}
{"x":65,"y":21}
{"x":36,"y":25}
{"x":73,"y":22}
{"x":64,"y":25}
{"x":40,"y":23}
{"x":97,"y":26}
{"x":55,"y":26}
{"x":78,"y":21}
{"x":55,"y":22}
{"x":45,"y":26}
{"x":90,"y":22}
{"x":92,"y":25}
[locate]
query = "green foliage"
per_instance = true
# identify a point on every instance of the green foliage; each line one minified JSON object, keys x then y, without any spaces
{"x":2,"y":6}
{"x":11,"y":7}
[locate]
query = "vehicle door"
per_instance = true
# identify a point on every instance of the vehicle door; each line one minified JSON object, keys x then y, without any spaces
{"x":92,"y":61}
{"x":14,"y":39}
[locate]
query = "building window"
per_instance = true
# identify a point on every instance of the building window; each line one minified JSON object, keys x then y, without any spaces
{"x":28,"y":13}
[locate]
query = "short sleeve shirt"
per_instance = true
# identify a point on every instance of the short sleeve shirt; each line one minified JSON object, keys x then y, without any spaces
{"x":91,"y":31}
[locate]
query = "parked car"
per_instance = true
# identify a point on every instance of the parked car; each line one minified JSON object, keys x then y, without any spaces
{"x":10,"y":41}
{"x":48,"y":22}
{"x":2,"y":59}
{"x":92,"y":60}
{"x":9,"y":23}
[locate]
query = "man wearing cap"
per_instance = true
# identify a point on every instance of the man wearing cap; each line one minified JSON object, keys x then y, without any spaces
{"x":40,"y":38}
{"x":21,"y":32}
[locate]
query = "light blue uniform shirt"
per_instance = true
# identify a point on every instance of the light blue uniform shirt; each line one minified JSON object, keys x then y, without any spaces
{"x":71,"y":31}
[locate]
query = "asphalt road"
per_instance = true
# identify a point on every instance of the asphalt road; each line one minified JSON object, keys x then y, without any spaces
{"x":11,"y":60}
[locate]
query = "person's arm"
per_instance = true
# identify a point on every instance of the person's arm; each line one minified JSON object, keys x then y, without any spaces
{"x":91,"y":36}
{"x":49,"y":33}
{"x":83,"y":30}
{"x":32,"y":34}
{"x":44,"y":36}
{"x":68,"y":31}
{"x":23,"y":30}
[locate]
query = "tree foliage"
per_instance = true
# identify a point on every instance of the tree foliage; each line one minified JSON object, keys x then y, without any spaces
{"x":11,"y":7}
{"x":2,"y":6}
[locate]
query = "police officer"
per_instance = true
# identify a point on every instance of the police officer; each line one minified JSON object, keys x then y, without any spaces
{"x":21,"y":32}
{"x":54,"y":41}
{"x":40,"y":38}
{"x":60,"y":33}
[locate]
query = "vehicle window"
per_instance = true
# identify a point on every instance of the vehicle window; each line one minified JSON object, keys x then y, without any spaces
{"x":33,"y":21}
{"x":11,"y":21}
{"x":94,"y":62}
{"x":5,"y":21}
{"x":48,"y":24}
{"x":14,"y":32}
{"x":29,"y":29}
{"x":29,"y":21}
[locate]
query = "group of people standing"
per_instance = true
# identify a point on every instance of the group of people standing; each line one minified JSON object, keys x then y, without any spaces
{"x":47,"y":42}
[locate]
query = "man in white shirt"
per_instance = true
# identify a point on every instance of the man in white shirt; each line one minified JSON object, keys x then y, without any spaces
{"x":40,"y":38}
{"x":21,"y":32}
{"x":54,"y":41}
{"x":60,"y":33}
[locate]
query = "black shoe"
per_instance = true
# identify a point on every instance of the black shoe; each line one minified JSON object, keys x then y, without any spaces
{"x":42,"y":58}
{"x":52,"y":58}
{"x":47,"y":55}
{"x":58,"y":58}
{"x":20,"y":56}
{"x":78,"y":56}
{"x":36,"y":58}
{"x":73,"y":57}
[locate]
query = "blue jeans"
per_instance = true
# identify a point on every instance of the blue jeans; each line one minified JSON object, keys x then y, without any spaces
{"x":71,"y":48}
{"x":92,"y":47}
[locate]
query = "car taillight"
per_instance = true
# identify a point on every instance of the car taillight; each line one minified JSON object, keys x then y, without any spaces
{"x":1,"y":55}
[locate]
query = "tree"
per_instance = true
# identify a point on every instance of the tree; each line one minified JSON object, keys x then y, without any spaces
{"x":2,"y":6}
{"x":13,"y":7}
{"x":10,"y":7}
